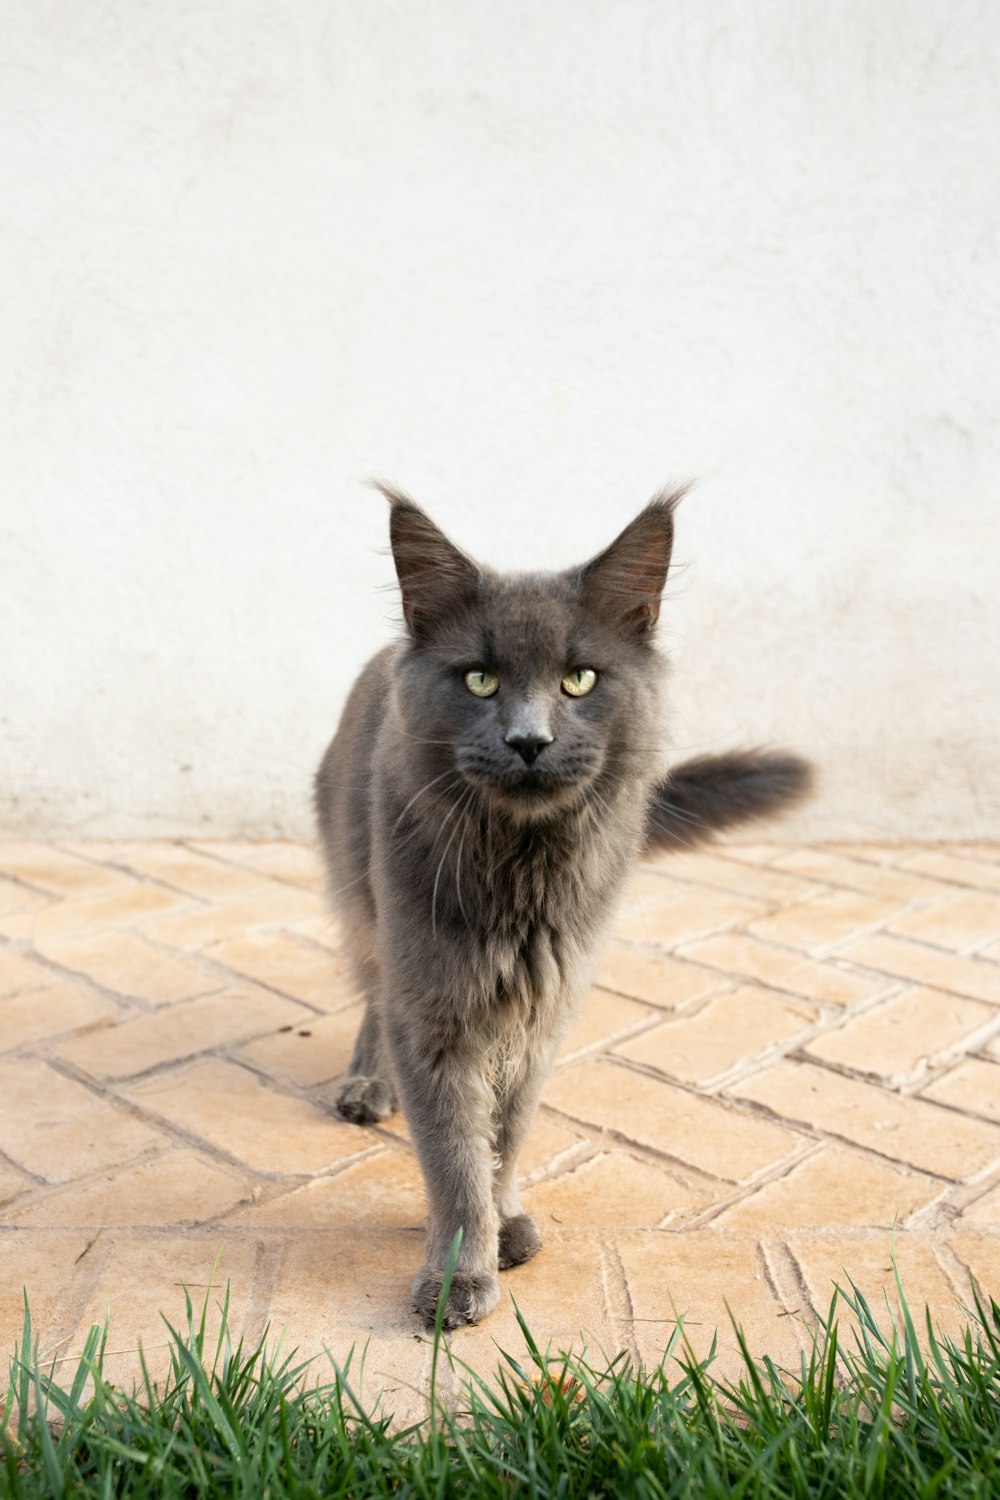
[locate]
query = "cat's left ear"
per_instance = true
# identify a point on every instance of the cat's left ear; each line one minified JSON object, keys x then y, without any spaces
{"x":625,"y":581}
{"x":435,"y":578}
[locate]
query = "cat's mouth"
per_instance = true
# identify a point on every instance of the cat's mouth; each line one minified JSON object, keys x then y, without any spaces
{"x":532,"y":790}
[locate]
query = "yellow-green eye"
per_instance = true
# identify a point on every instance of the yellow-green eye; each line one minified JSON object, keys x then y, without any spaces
{"x":483,"y":684}
{"x":579,"y":683}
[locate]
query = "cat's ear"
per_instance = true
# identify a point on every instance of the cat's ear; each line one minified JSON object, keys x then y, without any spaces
{"x":625,"y":581}
{"x":435,"y":578}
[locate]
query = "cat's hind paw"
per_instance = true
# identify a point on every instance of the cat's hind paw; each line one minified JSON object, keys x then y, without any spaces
{"x":365,"y":1101}
{"x":520,"y":1239}
{"x":470,"y":1297}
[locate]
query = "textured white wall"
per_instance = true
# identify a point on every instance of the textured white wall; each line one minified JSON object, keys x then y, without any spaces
{"x":529,"y":261}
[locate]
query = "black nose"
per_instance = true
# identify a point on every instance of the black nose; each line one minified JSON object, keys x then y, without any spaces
{"x":528,"y":746}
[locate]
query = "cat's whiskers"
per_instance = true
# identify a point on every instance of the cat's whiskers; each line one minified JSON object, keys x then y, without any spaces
{"x":444,"y":855}
{"x":425,"y":788}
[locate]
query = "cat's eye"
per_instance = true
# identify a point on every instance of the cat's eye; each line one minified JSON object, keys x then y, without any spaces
{"x":579,"y":683}
{"x":482,"y":684}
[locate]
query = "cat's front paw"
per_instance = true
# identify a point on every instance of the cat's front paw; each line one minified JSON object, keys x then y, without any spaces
{"x":471,"y":1296}
{"x":520,"y":1239}
{"x":365,"y":1101}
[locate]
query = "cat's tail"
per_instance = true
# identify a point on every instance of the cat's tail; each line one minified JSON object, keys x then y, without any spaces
{"x":711,"y":792}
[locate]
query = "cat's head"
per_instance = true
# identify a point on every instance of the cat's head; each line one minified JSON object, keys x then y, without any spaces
{"x":533,"y":687}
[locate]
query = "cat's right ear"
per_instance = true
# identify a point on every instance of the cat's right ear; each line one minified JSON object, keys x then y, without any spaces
{"x":435,"y":578}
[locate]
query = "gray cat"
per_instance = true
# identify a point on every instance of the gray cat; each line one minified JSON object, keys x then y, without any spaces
{"x":495,"y":775}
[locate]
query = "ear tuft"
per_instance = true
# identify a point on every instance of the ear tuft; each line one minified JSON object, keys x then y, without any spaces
{"x":625,"y":581}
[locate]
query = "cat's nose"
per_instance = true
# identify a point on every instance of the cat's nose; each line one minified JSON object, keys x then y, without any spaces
{"x":528,"y":746}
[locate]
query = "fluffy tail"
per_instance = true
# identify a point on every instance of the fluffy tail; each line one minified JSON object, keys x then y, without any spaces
{"x":714,"y":791}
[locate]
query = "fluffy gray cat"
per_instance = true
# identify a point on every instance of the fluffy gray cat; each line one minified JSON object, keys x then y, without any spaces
{"x":495,"y":776}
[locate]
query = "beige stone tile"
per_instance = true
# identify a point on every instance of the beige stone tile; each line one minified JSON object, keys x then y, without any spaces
{"x":130,"y":965}
{"x":701,"y":1132}
{"x":40,"y":1014}
{"x":973,"y":1085}
{"x":603,"y":1017}
{"x":232,"y":1110}
{"x":728,"y":1029}
{"x":54,"y":870}
{"x":42,"y":1265}
{"x":59,"y":1130}
{"x":381,"y":1192}
{"x":19,"y":973}
{"x":877,"y":878}
{"x":963,"y":920}
{"x":739,"y":956}
{"x":939,"y":864}
{"x":12,"y":1184}
{"x":824,"y":1263}
{"x":835,"y":1188}
{"x":614,"y":1190}
{"x":825,"y":921}
{"x":973,"y":977}
{"x":291,"y":965}
{"x":551,"y":1145}
{"x":709,"y":1279}
{"x":226,"y":921}
{"x":872,"y":853}
{"x":980,"y":1255}
{"x":905,"y":1129}
{"x":123,"y":906}
{"x":992,"y":1047}
{"x":15,"y":897}
{"x":299,"y":864}
{"x":681,"y":915}
{"x":654,"y":978}
{"x":312,"y":1051}
{"x":144,"y":1280}
{"x":196,"y":874}
{"x":177,"y":1031}
{"x":179,"y":1187}
{"x":900,"y":1038}
{"x":988,"y":852}
{"x":984,"y":1211}
{"x":761,"y":882}
{"x":752,"y":852}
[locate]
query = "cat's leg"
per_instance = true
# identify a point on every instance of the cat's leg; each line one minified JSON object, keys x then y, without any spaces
{"x":449,"y":1109}
{"x":519,"y":1237}
{"x":366,"y":1095}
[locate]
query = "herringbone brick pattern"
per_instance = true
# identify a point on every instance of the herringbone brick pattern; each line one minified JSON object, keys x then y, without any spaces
{"x":787,"y":1052}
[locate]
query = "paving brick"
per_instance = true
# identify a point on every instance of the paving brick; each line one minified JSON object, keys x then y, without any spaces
{"x":131,"y":966}
{"x":12,"y":1183}
{"x":973,"y":1086}
{"x":984,"y":1211}
{"x":747,"y":957}
{"x":906,"y":1129}
{"x":53,"y":870}
{"x":144,"y":1280}
{"x":710,"y":1279}
{"x":177,"y":1031}
{"x":980,"y":1255}
{"x":824,"y":921}
{"x":944,"y":971}
{"x":42,"y":1014}
{"x":752,"y":853}
{"x":232,"y":1110}
{"x":761,"y":882}
{"x":381,"y":1192}
{"x":299,"y":864}
{"x":18,"y":973}
{"x":728,"y":1029}
{"x":123,"y":906}
{"x":603,"y":1017}
{"x":551,"y":1145}
{"x":286,"y":963}
{"x":15,"y":897}
{"x":834,"y":1188}
{"x":58,"y":1130}
{"x":877,"y":879}
{"x":680,"y":915}
{"x":824,"y":1263}
{"x":900,"y":1038}
{"x":228,"y":920}
{"x":42,"y":1265}
{"x":699,"y":1131}
{"x":964,"y":920}
{"x":654,"y":978}
{"x":941,"y":865}
{"x":314,"y":1050}
{"x":615,"y":1190}
{"x":179,"y":1187}
{"x":186,"y":870}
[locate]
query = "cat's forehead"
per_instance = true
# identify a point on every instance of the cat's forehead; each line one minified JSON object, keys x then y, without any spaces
{"x":528,"y":616}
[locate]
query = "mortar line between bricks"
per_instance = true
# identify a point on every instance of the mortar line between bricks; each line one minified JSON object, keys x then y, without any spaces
{"x":883,"y":1086}
{"x":618,"y":1304}
{"x":143,"y":877}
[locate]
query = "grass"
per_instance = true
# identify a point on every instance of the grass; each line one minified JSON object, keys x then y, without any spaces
{"x":877,"y":1417}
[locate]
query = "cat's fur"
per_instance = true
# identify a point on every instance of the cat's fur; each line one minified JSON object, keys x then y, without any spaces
{"x":476,"y":848}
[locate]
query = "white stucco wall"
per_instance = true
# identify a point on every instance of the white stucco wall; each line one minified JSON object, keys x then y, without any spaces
{"x":529,"y":260}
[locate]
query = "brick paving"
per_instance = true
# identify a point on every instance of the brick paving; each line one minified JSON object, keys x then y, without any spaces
{"x":789,"y":1054}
